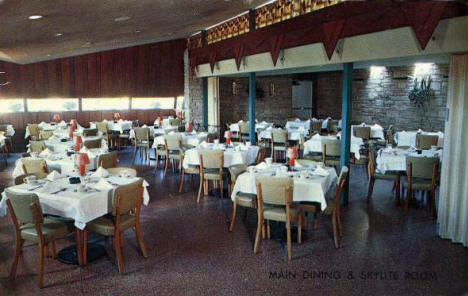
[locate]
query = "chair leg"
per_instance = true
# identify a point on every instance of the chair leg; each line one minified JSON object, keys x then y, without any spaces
{"x":79,"y":249}
{"x":288,"y":237}
{"x":336,"y":237}
{"x":370,"y":188}
{"x":134,"y":154}
{"x":85,"y":246}
{"x":268,"y":229}
{"x":258,"y":235}
{"x":221,"y":188}
{"x":181,"y":186}
{"x":166,"y":165}
{"x":233,"y":217}
{"x":299,"y":228}
{"x":40,"y":281}
{"x":316,"y":225}
{"x":19,"y":245}
{"x":409,"y":194}
{"x":263,"y":230}
{"x":141,"y":242}
{"x":433,"y":206}
{"x":118,"y":252}
{"x":53,"y":250}
{"x":202,"y":182}
{"x":397,"y":191}
{"x":338,"y":220}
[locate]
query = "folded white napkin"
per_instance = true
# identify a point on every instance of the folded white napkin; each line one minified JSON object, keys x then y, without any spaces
{"x":103,"y":185}
{"x":376,"y":126}
{"x":316,"y":136}
{"x":100,"y":173}
{"x":419,"y":131}
{"x":53,"y":176}
{"x":144,"y":125}
{"x":50,"y":187}
{"x":321,"y":171}
{"x":84,"y":149}
{"x":62,"y":124}
{"x":45,"y":153}
{"x":42,"y":124}
{"x":204,"y":144}
{"x":297,"y":120}
{"x":261,"y":166}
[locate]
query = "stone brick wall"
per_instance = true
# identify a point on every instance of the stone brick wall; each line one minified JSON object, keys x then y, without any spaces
{"x":192,"y":94}
{"x":382,"y":97}
{"x":273,"y":107}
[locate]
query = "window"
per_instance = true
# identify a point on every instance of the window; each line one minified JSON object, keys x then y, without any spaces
{"x":35,"y":105}
{"x":180,"y":103}
{"x":152,"y":103}
{"x":95,"y":104}
{"x":11,"y":105}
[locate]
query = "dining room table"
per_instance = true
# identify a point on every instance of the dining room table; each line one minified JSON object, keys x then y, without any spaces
{"x":116,"y":125}
{"x":408,"y":138}
{"x":259,"y":126}
{"x":233,"y":154}
{"x":310,"y":183}
{"x":394,"y":158}
{"x":314,"y":144}
{"x":64,"y":144}
{"x":189,"y":139}
{"x":294,"y":134}
{"x":377,"y":131}
{"x":47,"y":126}
{"x":155,"y":131}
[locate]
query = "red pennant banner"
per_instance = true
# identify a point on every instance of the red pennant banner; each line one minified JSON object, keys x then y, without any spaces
{"x":424,"y":18}
{"x":276,"y":46}
{"x":239,"y":54}
{"x":212,"y":57}
{"x":331,"y":34}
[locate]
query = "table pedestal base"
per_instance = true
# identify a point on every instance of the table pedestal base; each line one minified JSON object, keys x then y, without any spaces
{"x":69,"y":255}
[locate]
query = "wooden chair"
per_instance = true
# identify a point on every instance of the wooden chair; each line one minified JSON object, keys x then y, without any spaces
{"x":425,"y":142}
{"x":191,"y":171}
{"x":175,"y":122}
{"x":108,"y":160}
{"x":36,"y":146}
{"x":211,"y":169}
{"x":118,"y":170}
{"x":262,"y":151}
{"x":332,"y":209}
{"x":274,"y":195}
{"x":362,"y":132}
{"x":90,"y":132}
{"x":279,"y":142}
{"x":331,"y":152}
{"x":103,"y":128}
{"x":44,"y":135}
{"x":93,"y":144}
{"x":36,"y":167}
{"x":33,"y":131}
{"x":242,"y":199}
{"x":174,"y":150}
{"x":244,"y":130}
{"x":126,"y":205}
{"x":316,"y":126}
{"x":374,"y":175}
{"x":422,"y":174}
{"x":389,"y":135}
{"x":30,"y":225}
{"x":142,"y":143}
{"x":332,"y":126}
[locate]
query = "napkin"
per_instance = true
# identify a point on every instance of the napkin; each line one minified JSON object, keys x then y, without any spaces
{"x":204,"y":144}
{"x":50,"y":187}
{"x":62,"y":124}
{"x":45,"y":153}
{"x":103,"y":185}
{"x":261,"y":166}
{"x":84,"y":149}
{"x":42,"y":124}
{"x":321,"y":172}
{"x":100,"y":173}
{"x":53,"y":176}
{"x":316,"y":137}
{"x":144,"y":125}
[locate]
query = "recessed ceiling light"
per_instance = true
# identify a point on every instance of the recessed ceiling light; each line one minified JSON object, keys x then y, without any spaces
{"x":58,"y":34}
{"x":137,"y":31}
{"x":48,"y":54}
{"x":122,"y":18}
{"x":35,"y":17}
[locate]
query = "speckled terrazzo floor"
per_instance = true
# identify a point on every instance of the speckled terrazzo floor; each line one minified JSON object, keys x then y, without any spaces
{"x":192,"y":253}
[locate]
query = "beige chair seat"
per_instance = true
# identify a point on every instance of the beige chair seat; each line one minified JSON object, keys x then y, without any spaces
{"x":192,"y":169}
{"x":105,"y":225}
{"x":211,"y":174}
{"x":333,"y":161}
{"x":236,"y":170}
{"x":118,"y":170}
{"x":248,"y":200}
{"x":418,"y":184}
{"x":51,"y":230}
{"x":392,"y":177}
{"x":314,"y":157}
{"x":279,"y":213}
{"x":279,"y":146}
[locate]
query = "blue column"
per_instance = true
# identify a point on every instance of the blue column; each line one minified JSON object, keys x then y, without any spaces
{"x":252,"y":97}
{"x":346,"y":124}
{"x":205,"y":102}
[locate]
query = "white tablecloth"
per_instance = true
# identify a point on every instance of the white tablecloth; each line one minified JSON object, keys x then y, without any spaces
{"x":119,"y":126}
{"x":394,"y":159}
{"x":231,"y":156}
{"x":405,"y":138}
{"x":43,"y":126}
{"x":314,"y":144}
{"x":293,"y":134}
{"x":188,"y":139}
{"x":234,"y":127}
{"x":81,"y":207}
{"x":56,"y":145}
{"x":2,"y":140}
{"x":313,"y":189}
{"x":10,"y":132}
{"x":377,"y":131}
{"x":154,"y":132}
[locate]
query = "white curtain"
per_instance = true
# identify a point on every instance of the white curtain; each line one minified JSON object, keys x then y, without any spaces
{"x":453,"y":199}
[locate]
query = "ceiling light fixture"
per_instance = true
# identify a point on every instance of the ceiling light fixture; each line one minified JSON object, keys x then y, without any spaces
{"x":35,"y":17}
{"x":122,"y":18}
{"x":137,"y":31}
{"x":58,"y":34}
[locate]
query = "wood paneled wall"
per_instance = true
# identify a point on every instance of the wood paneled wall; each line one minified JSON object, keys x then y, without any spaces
{"x":153,"y":70}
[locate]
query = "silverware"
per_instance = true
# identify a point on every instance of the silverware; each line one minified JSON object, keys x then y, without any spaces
{"x":60,"y":190}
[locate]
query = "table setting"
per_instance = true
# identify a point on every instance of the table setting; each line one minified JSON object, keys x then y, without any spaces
{"x":117,"y":125}
{"x":189,"y":139}
{"x":233,"y":154}
{"x":311,"y":182}
{"x":51,"y":126}
{"x":394,"y":159}
{"x":294,"y":133}
{"x":314,"y":144}
{"x":64,"y":144}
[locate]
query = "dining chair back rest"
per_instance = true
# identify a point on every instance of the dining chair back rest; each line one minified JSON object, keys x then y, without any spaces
{"x":261,"y":155}
{"x":22,"y":206}
{"x":44,"y":135}
{"x":339,"y":187}
{"x":279,"y":136}
{"x":236,"y":170}
{"x":89,"y":132}
{"x":244,"y":127}
{"x":125,"y":199}
{"x":362,"y":132}
{"x":173,"y":142}
{"x":332,"y":147}
{"x":102,"y":127}
{"x":20,"y":179}
{"x":33,"y":129}
{"x":36,"y":146}
{"x":175,"y":122}
{"x":141,"y":134}
{"x":332,"y":125}
{"x":37,"y":167}
{"x":136,"y":123}
{"x":316,"y":126}
{"x":211,"y":137}
{"x":426,"y":141}
{"x":275,"y":190}
{"x":422,"y":167}
{"x":93,"y":144}
{"x":212,"y":159}
{"x":108,"y":160}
